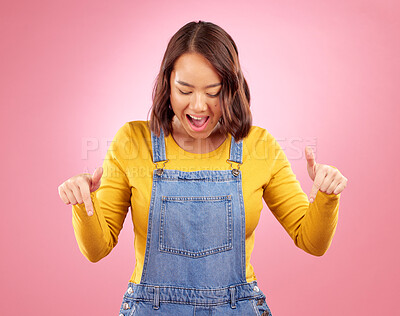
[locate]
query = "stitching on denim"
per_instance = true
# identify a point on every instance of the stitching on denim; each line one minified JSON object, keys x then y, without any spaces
{"x":146,"y":256}
{"x":200,"y":175}
{"x":243,"y":225}
{"x":197,"y":180}
{"x":225,"y":288}
{"x":230,"y":221}
{"x":197,"y":198}
{"x":197,"y":303}
{"x":225,"y":246}
{"x":133,"y":309}
{"x":262,"y":306}
{"x":174,"y":179}
{"x":162,"y":145}
{"x":236,"y":150}
{"x":145,"y":292}
{"x":152,"y":146}
{"x":197,"y":254}
{"x":253,"y":304}
{"x":158,"y":147}
{"x":132,"y":305}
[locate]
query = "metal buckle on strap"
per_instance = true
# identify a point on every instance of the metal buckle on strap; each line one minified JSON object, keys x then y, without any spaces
{"x":235,"y":171}
{"x":160,"y":170}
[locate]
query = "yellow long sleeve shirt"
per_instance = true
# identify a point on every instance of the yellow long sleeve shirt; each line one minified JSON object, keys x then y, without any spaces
{"x":266,"y":174}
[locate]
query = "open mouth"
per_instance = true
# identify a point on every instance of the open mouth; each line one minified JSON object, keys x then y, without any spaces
{"x":197,"y":124}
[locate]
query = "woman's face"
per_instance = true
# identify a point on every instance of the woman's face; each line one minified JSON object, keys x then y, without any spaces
{"x":195,"y":88}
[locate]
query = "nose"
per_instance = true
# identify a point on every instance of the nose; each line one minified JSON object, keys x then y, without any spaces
{"x":198,"y":103}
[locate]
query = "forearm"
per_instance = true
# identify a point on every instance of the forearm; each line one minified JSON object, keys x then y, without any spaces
{"x":91,"y":232}
{"x":316,"y":229}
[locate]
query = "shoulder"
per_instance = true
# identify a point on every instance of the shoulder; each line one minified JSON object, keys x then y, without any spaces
{"x":137,"y":127}
{"x":259,"y":136}
{"x":260,"y":143}
{"x":131,"y":137}
{"x":134,"y":130}
{"x":256,"y":132}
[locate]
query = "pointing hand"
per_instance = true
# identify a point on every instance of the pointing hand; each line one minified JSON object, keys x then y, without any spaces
{"x":326,"y":178}
{"x":78,"y":188}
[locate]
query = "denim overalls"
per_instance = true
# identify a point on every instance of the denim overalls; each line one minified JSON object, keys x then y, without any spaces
{"x":195,"y":261}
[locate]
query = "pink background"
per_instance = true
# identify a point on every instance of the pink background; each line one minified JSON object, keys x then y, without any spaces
{"x":321,"y":73}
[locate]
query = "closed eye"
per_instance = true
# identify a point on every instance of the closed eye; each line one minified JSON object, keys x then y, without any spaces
{"x":211,"y":95}
{"x":185,"y":93}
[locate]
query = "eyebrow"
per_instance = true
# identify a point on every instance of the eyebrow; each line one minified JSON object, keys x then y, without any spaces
{"x":189,"y":85}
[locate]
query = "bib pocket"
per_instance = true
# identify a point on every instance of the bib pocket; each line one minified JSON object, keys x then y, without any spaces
{"x":196,"y":226}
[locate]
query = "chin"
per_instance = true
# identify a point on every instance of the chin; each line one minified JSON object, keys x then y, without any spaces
{"x":199,"y":135}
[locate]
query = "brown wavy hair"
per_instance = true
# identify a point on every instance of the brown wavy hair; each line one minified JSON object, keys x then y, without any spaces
{"x":218,"y":47}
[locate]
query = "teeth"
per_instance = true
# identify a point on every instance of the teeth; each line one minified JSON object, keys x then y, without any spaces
{"x":195,"y":118}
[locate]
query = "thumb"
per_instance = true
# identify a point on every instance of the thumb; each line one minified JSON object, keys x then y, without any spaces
{"x":311,"y":164}
{"x":96,"y":176}
{"x":310,"y":157}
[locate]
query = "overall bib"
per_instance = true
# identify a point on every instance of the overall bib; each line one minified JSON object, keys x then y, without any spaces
{"x":195,"y":261}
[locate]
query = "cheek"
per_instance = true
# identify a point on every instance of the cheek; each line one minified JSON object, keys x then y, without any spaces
{"x":177,"y":100}
{"x":172,"y":98}
{"x":217,"y":108}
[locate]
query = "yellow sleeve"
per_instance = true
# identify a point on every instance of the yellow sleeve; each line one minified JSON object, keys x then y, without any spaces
{"x":310,"y":225}
{"x":97,"y":235}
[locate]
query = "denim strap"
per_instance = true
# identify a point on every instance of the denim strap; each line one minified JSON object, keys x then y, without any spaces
{"x":236,"y":150}
{"x":159,"y":154}
{"x":156,"y":304}
{"x":232,"y":296}
{"x":158,"y":147}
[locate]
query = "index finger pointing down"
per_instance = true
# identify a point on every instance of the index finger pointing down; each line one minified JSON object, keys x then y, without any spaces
{"x":85,"y":192}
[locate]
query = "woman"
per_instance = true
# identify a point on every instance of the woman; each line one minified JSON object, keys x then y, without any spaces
{"x":195,"y":176}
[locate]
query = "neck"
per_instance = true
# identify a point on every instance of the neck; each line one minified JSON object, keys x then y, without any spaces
{"x":197,"y":145}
